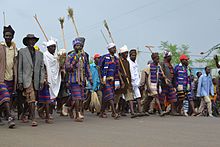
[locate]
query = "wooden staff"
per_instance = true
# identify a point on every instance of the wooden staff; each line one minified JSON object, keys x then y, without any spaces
{"x":166,"y":79}
{"x":61,"y":20}
{"x":4,"y":18}
{"x":35,"y":17}
{"x":110,"y":35}
{"x":103,"y":35}
{"x":71,"y":16}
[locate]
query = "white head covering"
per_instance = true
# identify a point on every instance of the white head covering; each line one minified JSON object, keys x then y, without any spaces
{"x":110,"y":45}
{"x":50,"y":42}
{"x":167,"y":53}
{"x":123,"y":49}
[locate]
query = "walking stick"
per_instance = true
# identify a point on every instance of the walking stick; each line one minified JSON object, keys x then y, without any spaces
{"x":61,"y":20}
{"x":110,"y":35}
{"x":71,"y":16}
{"x":103,"y":35}
{"x":35,"y":17}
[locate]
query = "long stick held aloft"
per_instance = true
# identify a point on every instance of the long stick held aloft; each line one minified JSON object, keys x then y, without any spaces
{"x":71,"y":16}
{"x":104,"y":37}
{"x":61,"y":20}
{"x":35,"y":17}
{"x":122,"y":65}
{"x":109,"y":32}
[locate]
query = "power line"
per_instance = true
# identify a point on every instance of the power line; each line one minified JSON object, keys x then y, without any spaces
{"x":96,"y":25}
{"x":159,"y":16}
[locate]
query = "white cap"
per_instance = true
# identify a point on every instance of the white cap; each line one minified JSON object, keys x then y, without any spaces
{"x":110,"y":45}
{"x":123,"y":49}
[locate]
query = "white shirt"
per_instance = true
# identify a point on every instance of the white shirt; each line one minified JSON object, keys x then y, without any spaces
{"x":135,"y":78}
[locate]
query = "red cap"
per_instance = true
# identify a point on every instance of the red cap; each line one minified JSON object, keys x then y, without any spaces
{"x":97,"y":56}
{"x":183,"y":57}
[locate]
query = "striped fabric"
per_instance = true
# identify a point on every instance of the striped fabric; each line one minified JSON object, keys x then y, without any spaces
{"x":168,"y":94}
{"x":182,"y":76}
{"x":10,"y":86}
{"x":72,"y":67}
{"x":77,"y":91}
{"x":4,"y":94}
{"x":108,"y":91}
{"x":108,"y":67}
{"x":44,"y":95}
{"x":154,"y":69}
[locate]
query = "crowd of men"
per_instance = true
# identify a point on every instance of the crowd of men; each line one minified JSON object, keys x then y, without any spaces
{"x":31,"y":80}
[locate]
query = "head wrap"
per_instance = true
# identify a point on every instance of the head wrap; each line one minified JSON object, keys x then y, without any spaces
{"x":167,"y":53}
{"x":50,"y":42}
{"x":110,"y":45}
{"x":8,"y":29}
{"x":183,"y":57}
{"x":123,"y":49}
{"x":81,"y":39}
{"x":77,"y":41}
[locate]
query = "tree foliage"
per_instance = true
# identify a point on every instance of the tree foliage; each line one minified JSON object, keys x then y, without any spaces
{"x":176,"y":51}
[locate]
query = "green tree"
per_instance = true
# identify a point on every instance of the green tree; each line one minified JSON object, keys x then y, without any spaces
{"x":176,"y":51}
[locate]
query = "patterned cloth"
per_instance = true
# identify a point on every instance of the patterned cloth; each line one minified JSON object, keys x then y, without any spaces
{"x":78,"y":68}
{"x":109,"y":67}
{"x":108,"y":92}
{"x":4,"y":94}
{"x":183,"y":82}
{"x":10,"y":86}
{"x":77,"y":91}
{"x":44,"y":95}
{"x":154,"y":78}
{"x":168,"y":93}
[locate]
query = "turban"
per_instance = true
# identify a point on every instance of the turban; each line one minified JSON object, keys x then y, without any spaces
{"x":77,"y":41}
{"x":50,"y":42}
{"x":123,"y":49}
{"x":81,"y":39}
{"x":8,"y":29}
{"x":167,"y":53}
{"x":110,"y":45}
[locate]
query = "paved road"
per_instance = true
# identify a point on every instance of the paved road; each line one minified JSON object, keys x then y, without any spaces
{"x":152,"y":131}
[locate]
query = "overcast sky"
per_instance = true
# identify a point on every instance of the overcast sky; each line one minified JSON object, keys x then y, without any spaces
{"x":132,"y":22}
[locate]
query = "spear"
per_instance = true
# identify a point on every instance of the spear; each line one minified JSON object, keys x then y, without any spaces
{"x":71,"y":16}
{"x":110,"y":35}
{"x":35,"y":17}
{"x":61,"y":20}
{"x":104,"y":37}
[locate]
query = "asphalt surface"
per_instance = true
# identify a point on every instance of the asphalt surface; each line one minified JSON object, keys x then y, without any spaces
{"x":152,"y":131}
